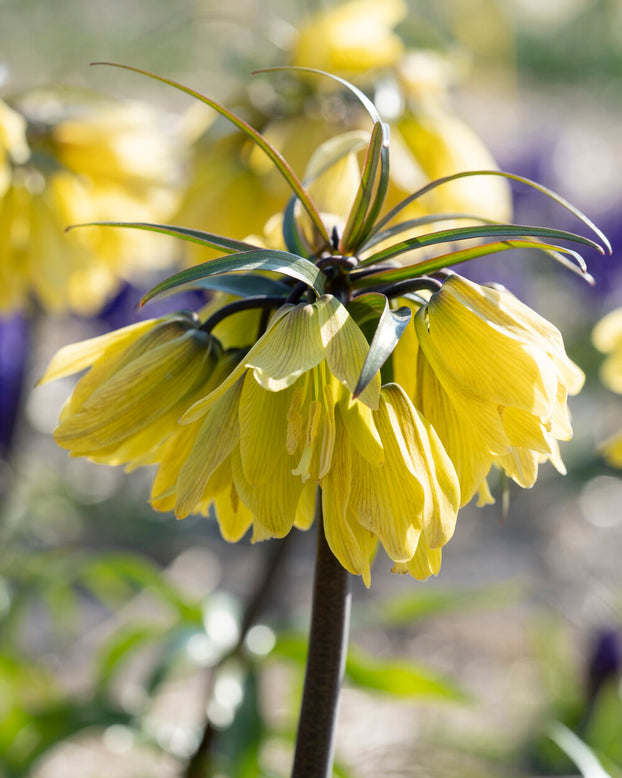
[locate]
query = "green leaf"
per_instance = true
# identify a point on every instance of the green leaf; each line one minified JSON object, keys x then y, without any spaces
{"x":367,"y":307}
{"x":512,"y":177}
{"x":410,"y":224}
{"x":417,"y":605}
{"x":467,"y":233}
{"x":390,"y":328}
{"x":247,"y":285}
{"x":426,"y":266}
{"x":356,"y":219}
{"x":275,"y":156}
{"x":578,"y":751}
{"x":207,"y":239}
{"x":294,"y":240}
{"x":399,"y":678}
{"x":261,"y":259}
{"x":378,"y":201}
{"x":123,"y":643}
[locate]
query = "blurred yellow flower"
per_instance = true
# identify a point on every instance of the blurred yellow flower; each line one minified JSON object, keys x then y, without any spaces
{"x":110,"y":160}
{"x":352,"y":37}
{"x":13,"y":145}
{"x":607,"y":337}
{"x":492,"y":378}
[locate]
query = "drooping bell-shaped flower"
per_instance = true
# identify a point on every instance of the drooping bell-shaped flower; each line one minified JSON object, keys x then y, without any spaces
{"x":607,"y":338}
{"x":493,"y":378}
{"x":141,"y":379}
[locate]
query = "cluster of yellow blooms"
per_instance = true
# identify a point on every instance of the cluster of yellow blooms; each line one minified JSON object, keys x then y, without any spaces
{"x":359,"y":377}
{"x":59,"y":169}
{"x":251,"y":409}
{"x":607,"y":337}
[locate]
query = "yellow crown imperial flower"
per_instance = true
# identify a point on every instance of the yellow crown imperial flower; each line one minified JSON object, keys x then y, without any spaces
{"x":493,"y":378}
{"x":285,"y":420}
{"x":141,"y":379}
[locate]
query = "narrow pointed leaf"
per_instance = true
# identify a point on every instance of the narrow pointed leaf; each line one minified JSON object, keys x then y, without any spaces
{"x":261,"y":259}
{"x":294,"y":240}
{"x":207,"y":239}
{"x":367,"y":307}
{"x":467,"y":233}
{"x":364,"y":193}
{"x":275,"y":156}
{"x":246,"y":285}
{"x":512,"y":177}
{"x":390,"y":328}
{"x":578,"y":751}
{"x":464,"y":255}
{"x":411,"y":224}
{"x":378,"y":201}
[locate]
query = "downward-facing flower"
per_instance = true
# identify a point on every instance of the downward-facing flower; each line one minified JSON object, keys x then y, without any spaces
{"x":493,"y":379}
{"x":352,"y":37}
{"x":141,"y":379}
{"x":106,"y":161}
{"x":607,"y":338}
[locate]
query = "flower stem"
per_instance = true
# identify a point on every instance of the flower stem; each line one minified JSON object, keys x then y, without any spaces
{"x":328,"y":640}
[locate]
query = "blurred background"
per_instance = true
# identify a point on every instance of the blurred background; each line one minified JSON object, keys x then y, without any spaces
{"x":125,"y":636}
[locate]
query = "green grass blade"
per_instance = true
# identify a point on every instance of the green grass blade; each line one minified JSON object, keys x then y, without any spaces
{"x":260,"y":259}
{"x":275,"y":156}
{"x":467,"y":233}
{"x":512,"y":177}
{"x":207,"y":239}
{"x":388,"y":332}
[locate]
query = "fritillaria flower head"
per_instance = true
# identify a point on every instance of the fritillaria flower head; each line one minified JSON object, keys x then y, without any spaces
{"x":353,"y":363}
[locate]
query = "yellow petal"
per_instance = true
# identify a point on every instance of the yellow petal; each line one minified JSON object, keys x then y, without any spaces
{"x":78,"y":356}
{"x":352,"y":544}
{"x":274,"y":503}
{"x":263,"y":429}
{"x":215,"y":440}
{"x":346,"y":348}
{"x":305,"y":510}
{"x":428,"y":461}
{"x":290,"y":348}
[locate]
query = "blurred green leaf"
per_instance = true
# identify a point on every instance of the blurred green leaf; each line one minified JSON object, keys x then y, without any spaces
{"x":422,"y":604}
{"x":119,"y":648}
{"x":399,"y":678}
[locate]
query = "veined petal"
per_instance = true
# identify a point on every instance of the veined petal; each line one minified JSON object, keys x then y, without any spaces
{"x":461,"y":439}
{"x":428,"y":461}
{"x":233,"y":517}
{"x":263,"y":429}
{"x":346,"y":348}
{"x":425,"y":562}
{"x":215,"y":440}
{"x":481,"y":414}
{"x":352,"y":544}
{"x":288,"y":349}
{"x":519,"y":375}
{"x":77,"y":356}
{"x":521,"y":465}
{"x":525,"y":430}
{"x":274,"y":503}
{"x":388,"y":500}
{"x":359,"y":422}
{"x":305,"y":510}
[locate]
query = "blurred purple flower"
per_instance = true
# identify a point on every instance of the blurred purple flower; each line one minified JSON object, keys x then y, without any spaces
{"x":13,"y":360}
